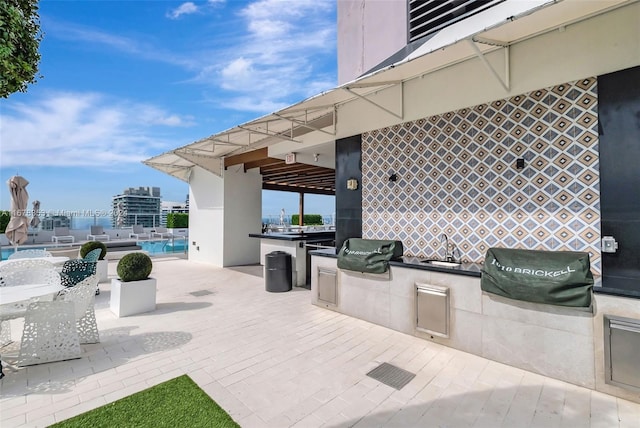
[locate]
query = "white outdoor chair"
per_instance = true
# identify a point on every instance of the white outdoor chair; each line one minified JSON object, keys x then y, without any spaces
{"x":28,"y":254}
{"x":97,"y":232}
{"x":53,"y":331}
{"x":5,"y":333}
{"x":138,"y":232}
{"x":161,"y":232}
{"x":61,"y":234}
{"x":83,"y":295}
{"x":49,"y":334}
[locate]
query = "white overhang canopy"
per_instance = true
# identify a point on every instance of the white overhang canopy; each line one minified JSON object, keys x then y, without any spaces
{"x":496,"y":28}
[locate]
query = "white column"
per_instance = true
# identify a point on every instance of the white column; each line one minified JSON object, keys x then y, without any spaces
{"x":223,"y":211}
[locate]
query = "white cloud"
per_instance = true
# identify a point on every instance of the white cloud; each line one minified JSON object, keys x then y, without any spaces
{"x":274,"y":52}
{"x":84,"y":129}
{"x":184,"y":9}
{"x":135,"y":47}
{"x":280,"y":60}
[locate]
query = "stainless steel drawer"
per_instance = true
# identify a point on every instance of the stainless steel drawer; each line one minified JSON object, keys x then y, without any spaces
{"x":622,"y":352}
{"x":327,"y":286}
{"x":432,"y":309}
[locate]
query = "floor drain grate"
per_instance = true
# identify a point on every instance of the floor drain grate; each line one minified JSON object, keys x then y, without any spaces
{"x":201,"y":293}
{"x":391,"y":375}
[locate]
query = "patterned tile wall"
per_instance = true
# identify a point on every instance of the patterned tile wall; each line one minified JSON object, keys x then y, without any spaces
{"x":457,"y":175}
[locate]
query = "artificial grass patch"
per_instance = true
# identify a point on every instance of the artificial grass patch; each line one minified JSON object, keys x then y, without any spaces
{"x":175,"y":403}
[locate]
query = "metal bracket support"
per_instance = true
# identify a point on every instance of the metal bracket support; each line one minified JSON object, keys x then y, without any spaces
{"x":362,"y":97}
{"x":505,"y":48}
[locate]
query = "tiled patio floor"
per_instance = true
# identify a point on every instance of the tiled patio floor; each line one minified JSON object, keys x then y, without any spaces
{"x":273,"y":359}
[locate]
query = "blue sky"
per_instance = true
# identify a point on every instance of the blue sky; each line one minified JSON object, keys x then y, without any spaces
{"x":127,"y":80}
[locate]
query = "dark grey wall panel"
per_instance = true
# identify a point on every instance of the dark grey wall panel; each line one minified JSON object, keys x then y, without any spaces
{"x":619,"y":128}
{"x":348,"y":202}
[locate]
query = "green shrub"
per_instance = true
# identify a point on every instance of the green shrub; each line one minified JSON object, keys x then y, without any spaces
{"x":307,"y":219}
{"x":177,"y":220}
{"x":134,"y":267}
{"x":92,"y":245}
{"x":4,"y":220}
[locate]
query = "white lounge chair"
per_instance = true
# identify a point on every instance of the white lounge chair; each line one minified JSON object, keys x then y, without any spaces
{"x":97,"y":232}
{"x":138,"y":232}
{"x":61,"y":234}
{"x":161,"y":232}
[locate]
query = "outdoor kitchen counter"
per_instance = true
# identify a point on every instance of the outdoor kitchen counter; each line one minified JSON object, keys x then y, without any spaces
{"x":294,"y":243}
{"x":531,"y":336}
{"x":307,"y":236}
{"x":468,"y":269}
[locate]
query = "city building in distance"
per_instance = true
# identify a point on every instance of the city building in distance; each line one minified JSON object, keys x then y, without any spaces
{"x":136,"y":205}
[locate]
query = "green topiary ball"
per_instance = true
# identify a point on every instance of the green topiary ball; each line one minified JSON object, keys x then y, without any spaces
{"x":92,"y":245}
{"x":134,"y":267}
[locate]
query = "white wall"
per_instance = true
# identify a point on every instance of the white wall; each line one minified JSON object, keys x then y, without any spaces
{"x":366,"y":38}
{"x":242,"y":215}
{"x":206,"y":220}
{"x":222,"y":213}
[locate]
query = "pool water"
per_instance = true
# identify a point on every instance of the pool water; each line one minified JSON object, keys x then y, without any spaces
{"x":164,"y":247}
{"x":154,"y":248}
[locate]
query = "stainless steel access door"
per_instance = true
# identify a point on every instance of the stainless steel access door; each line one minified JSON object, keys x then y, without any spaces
{"x":432,"y":309}
{"x":622,"y":352}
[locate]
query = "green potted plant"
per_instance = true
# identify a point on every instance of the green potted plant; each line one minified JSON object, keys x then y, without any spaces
{"x":133,"y":292}
{"x":102,"y":267}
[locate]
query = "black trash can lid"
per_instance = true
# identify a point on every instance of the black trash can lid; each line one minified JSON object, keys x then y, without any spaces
{"x":277,"y":253}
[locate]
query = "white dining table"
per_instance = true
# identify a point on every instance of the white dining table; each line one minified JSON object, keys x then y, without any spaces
{"x":19,"y":293}
{"x":55,"y":260}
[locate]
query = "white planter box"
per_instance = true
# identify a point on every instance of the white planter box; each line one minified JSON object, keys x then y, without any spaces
{"x":134,"y":297}
{"x":179,"y":231}
{"x":102,"y":270}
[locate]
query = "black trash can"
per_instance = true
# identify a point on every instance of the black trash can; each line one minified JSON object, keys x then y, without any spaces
{"x":277,"y":267}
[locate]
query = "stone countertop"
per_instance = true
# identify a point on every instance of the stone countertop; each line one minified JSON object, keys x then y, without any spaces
{"x":475,"y":269}
{"x":311,"y":235}
{"x":467,"y":269}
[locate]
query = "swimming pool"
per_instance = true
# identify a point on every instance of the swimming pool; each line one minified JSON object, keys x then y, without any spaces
{"x":166,"y":246}
{"x":154,"y":248}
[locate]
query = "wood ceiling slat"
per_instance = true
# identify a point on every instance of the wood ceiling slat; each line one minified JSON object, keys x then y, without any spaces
{"x":278,"y":175}
{"x":253,"y":155}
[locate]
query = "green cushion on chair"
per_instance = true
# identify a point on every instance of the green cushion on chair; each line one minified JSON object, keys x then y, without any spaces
{"x":93,"y":255}
{"x":74,"y":271}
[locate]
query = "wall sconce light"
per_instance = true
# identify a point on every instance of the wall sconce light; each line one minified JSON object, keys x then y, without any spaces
{"x":352,"y":184}
{"x":393,"y":177}
{"x":315,"y":157}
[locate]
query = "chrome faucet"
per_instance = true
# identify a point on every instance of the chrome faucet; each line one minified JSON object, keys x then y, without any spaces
{"x":449,"y":248}
{"x":444,"y":238}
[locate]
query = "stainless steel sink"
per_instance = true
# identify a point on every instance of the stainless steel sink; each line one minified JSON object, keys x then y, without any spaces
{"x":441,"y":263}
{"x":445,"y":264}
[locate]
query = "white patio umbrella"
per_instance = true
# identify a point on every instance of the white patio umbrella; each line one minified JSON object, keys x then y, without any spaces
{"x":16,"y":231}
{"x":35,"y":220}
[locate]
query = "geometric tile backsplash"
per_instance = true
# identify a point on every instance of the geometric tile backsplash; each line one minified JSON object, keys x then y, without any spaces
{"x":456,"y":174}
